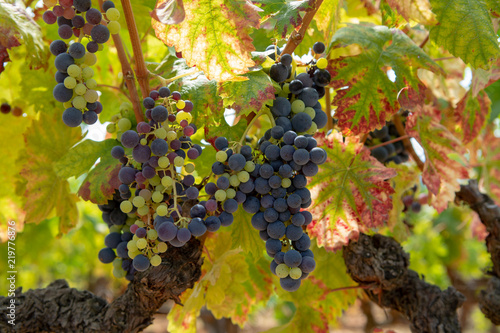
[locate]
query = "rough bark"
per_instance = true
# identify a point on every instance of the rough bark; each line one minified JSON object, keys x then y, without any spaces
{"x":489,"y":213}
{"x":59,"y":308}
{"x":379,"y":263}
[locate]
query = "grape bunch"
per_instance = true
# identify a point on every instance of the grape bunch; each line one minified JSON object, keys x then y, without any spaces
{"x":75,"y":87}
{"x":391,"y":152}
{"x":158,"y":187}
{"x":116,"y":241}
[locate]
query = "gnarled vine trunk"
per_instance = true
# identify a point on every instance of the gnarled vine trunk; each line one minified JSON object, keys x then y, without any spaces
{"x":380,"y":263}
{"x":58,"y":308}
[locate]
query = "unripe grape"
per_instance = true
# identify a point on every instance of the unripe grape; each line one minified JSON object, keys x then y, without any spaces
{"x":141,"y":243}
{"x":178,"y":161}
{"x":243,"y":176}
{"x":143,"y":141}
{"x":74,"y":70}
{"x":90,"y":59}
{"x":142,"y":211}
{"x":132,"y":246}
{"x":221,"y":156}
{"x":119,"y":273}
{"x":234,"y":181}
{"x":180,"y":104}
{"x":113,"y":14}
{"x":138,"y":201}
{"x":70,"y":82}
{"x":322,"y":63}
{"x":162,"y":247}
{"x":152,"y":234}
{"x":124,"y":124}
{"x":220,"y":195}
{"x":91,"y":96}
{"x":140,"y":223}
{"x":163,"y":162}
{"x":249,"y":166}
{"x":230,"y":193}
{"x":286,"y":182}
{"x":295,"y":273}
{"x":189,"y":168}
{"x":87,"y":73}
{"x":167,"y":181}
{"x":91,"y":83}
{"x":114,"y":27}
{"x":162,"y":210}
{"x":126,"y":206}
{"x":157,"y":196}
{"x":80,"y":103}
{"x":298,"y":106}
{"x":80,"y":89}
{"x":171,"y":135}
{"x":282,"y":271}
{"x":310,"y":112}
{"x":156,"y":259}
{"x":161,"y":133}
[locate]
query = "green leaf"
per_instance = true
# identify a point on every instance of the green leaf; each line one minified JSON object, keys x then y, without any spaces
{"x":100,"y":184}
{"x":243,"y":235}
{"x":371,"y":98}
{"x":465,"y":29}
{"x":16,"y":25}
{"x":283,"y":14}
{"x":350,"y":193}
{"x":248,"y":96}
{"x":47,"y":141}
{"x":82,"y":157}
{"x":214,"y":36}
{"x":416,"y":10}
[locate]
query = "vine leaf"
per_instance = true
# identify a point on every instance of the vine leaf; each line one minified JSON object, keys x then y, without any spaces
{"x":214,"y":36}
{"x":471,"y":21}
{"x":47,"y":141}
{"x":101,"y":182}
{"x":350,"y":194}
{"x":250,"y":242}
{"x":16,"y":26}
{"x":471,"y":114}
{"x":79,"y":159}
{"x":441,"y":171}
{"x":169,"y":12}
{"x":416,"y":10}
{"x":248,"y":96}
{"x":282,"y":14}
{"x":371,"y":98}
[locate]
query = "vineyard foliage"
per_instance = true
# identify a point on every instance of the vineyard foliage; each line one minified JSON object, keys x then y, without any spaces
{"x":428,"y":67}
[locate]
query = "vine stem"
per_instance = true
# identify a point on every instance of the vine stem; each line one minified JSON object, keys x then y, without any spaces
{"x":128,"y":75}
{"x":141,"y":70}
{"x":296,"y":37}
{"x":328,"y":109}
{"x":390,"y":141}
{"x":406,"y":142}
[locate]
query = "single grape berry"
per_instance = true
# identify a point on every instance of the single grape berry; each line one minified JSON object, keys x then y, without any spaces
{"x":319,"y":47}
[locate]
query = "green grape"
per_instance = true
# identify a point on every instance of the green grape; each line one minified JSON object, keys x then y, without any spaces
{"x":157,"y":196}
{"x":183,"y":116}
{"x":225,"y":174}
{"x":70,"y":82}
{"x":152,"y":234}
{"x":126,"y":228}
{"x":143,"y":141}
{"x":114,"y":27}
{"x":156,"y":259}
{"x":79,"y":102}
{"x":115,"y":228}
{"x":119,"y":273}
{"x":163,"y":162}
{"x":221,"y":156}
{"x":180,"y":104}
{"x":140,"y":223}
{"x":189,"y":168}
{"x":310,"y":112}
{"x":178,"y":161}
{"x":160,"y":188}
{"x":243,"y":176}
{"x":138,"y":201}
{"x":132,"y":255}
{"x":162,"y":210}
{"x":167,"y":181}
{"x":161,"y":133}
{"x":220,"y":195}
{"x":144,"y":210}
{"x":117,"y":262}
{"x":126,"y":206}
{"x":156,"y":180}
{"x":282,"y":271}
{"x":130,"y":221}
{"x":322,"y":63}
{"x":298,"y":106}
{"x":90,"y":59}
{"x":230,"y":193}
{"x":162,"y":247}
{"x":312,"y":130}
{"x":87,"y":73}
{"x":132,"y":246}
{"x":295,"y":273}
{"x":67,"y":104}
{"x":80,"y":89}
{"x":112,"y":14}
{"x":286,"y":182}
{"x":124,"y":124}
{"x":171,"y":135}
{"x":142,"y":243}
{"x":249,"y":166}
{"x":91,"y":96}
{"x":91,"y":83}
{"x":111,"y":128}
{"x":286,"y":88}
{"x":74,"y":70}
{"x":234,"y":180}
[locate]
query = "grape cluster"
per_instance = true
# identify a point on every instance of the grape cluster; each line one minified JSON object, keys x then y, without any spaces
{"x":270,"y":181}
{"x":75,"y":87}
{"x":116,"y":241}
{"x":391,"y":152}
{"x":410,"y":202}
{"x":158,"y":187}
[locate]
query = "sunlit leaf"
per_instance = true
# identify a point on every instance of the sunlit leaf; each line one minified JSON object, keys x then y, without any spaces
{"x":478,"y":44}
{"x":243,"y":235}
{"x":284,"y":15}
{"x":214,"y":36}
{"x":371,"y":98}
{"x":471,"y":113}
{"x":441,"y":172}
{"x":416,"y":10}
{"x":350,"y":193}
